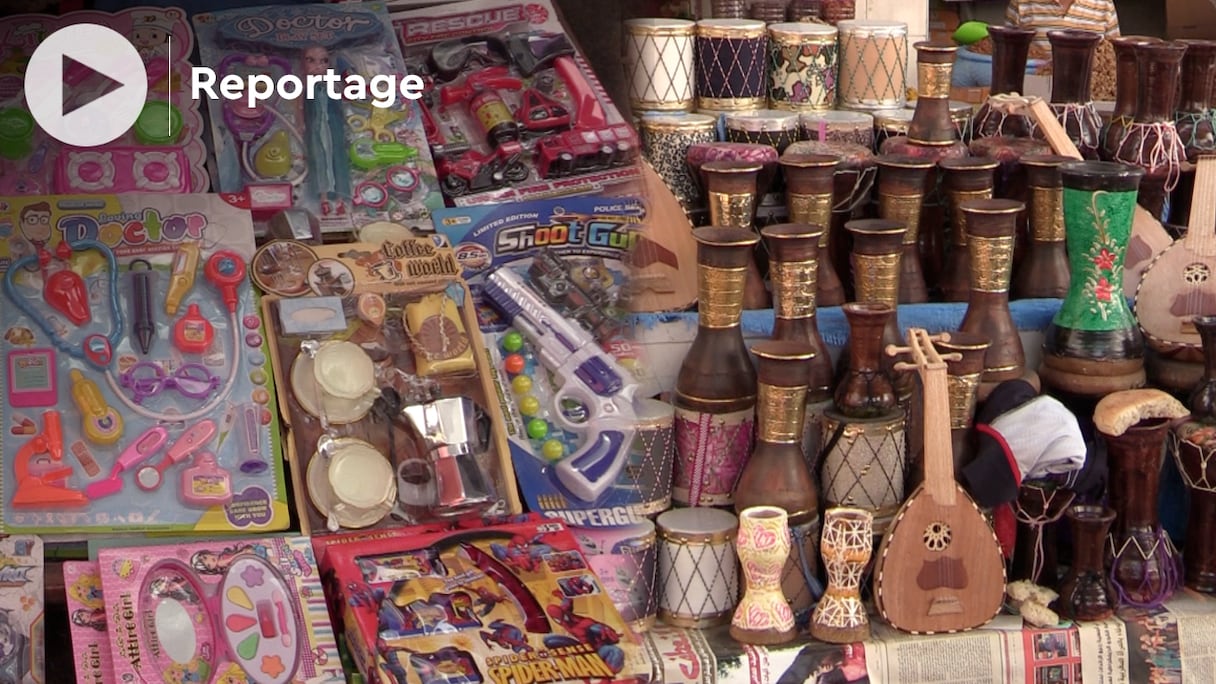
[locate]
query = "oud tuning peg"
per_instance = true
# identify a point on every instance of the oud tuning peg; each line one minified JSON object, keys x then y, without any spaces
{"x":904,"y":366}
{"x":896,"y":350}
{"x":952,"y":356}
{"x":940,"y":337}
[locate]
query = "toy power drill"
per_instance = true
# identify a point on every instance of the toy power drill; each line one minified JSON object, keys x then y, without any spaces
{"x":590,"y":377}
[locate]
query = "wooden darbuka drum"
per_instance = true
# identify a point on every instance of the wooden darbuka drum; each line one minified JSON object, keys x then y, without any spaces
{"x":960,"y":116}
{"x":802,"y":66}
{"x":848,"y":542}
{"x":855,"y":128}
{"x":765,"y":127}
{"x":652,"y":456}
{"x":1194,"y":450}
{"x":698,"y":569}
{"x":864,"y":464}
{"x":855,"y":174}
{"x":625,"y":560}
{"x":873,"y":64}
{"x":658,"y":64}
{"x":730,"y":64}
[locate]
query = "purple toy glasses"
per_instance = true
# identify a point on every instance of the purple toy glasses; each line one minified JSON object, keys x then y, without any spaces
{"x":146,"y":379}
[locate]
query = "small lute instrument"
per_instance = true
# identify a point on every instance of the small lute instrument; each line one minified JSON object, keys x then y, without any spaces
{"x":939,"y":568}
{"x":1180,"y":283}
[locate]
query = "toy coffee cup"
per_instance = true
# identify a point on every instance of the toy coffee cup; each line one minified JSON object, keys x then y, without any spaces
{"x":351,"y":483}
{"x":336,"y":381}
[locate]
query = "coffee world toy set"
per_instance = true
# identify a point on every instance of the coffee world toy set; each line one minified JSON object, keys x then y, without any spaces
{"x":513,"y":111}
{"x":384,"y":383}
{"x":547,"y":277}
{"x":138,"y":388}
{"x":162,"y":152}
{"x":510,"y":603}
{"x":349,"y":162}
{"x":244,"y":610}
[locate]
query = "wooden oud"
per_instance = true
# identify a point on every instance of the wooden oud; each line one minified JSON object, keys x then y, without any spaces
{"x":1180,"y":283}
{"x":939,"y":567}
{"x":663,"y":261}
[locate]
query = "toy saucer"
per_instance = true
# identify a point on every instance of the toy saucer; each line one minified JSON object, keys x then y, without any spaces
{"x":344,"y":370}
{"x":380,"y":232}
{"x":159,"y":123}
{"x":360,"y":463}
{"x":337,"y":411}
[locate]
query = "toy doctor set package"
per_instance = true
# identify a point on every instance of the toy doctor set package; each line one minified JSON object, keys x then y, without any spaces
{"x":135,"y":368}
{"x":163,"y":152}
{"x":349,"y":161}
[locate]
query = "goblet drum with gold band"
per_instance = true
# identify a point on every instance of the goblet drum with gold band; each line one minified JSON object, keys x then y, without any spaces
{"x":873,"y":64}
{"x":731,"y":57}
{"x":698,"y":568}
{"x":658,"y":64}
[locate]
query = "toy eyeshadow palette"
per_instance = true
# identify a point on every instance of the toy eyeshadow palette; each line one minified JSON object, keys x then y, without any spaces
{"x":513,"y":111}
{"x":512,"y":603}
{"x":383,"y":381}
{"x":349,"y":161}
{"x":22,"y":654}
{"x":250,"y":611}
{"x":163,"y":151}
{"x":87,"y":622}
{"x":134,"y":363}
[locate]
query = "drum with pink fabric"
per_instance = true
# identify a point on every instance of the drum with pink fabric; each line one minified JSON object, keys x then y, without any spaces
{"x":700,"y":153}
{"x":838,"y":126}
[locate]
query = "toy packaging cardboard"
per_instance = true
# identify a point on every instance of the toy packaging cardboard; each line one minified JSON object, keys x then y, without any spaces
{"x":246,"y":609}
{"x":350,"y":161}
{"x":87,"y":621}
{"x":163,"y":151}
{"x":385,"y":384}
{"x":135,"y":368}
{"x":502,"y":605}
{"x":22,"y":659}
{"x":513,"y":111}
{"x":569,"y":254}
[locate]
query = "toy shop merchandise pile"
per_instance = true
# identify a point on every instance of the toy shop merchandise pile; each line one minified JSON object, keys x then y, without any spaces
{"x":135,"y":369}
{"x":350,"y":162}
{"x":513,"y":111}
{"x":508,"y":604}
{"x":163,"y":151}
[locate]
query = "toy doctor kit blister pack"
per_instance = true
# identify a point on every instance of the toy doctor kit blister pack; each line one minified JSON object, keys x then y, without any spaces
{"x":134,"y":357}
{"x":513,"y":112}
{"x":353,"y":160}
{"x":162,"y":152}
{"x":246,"y":610}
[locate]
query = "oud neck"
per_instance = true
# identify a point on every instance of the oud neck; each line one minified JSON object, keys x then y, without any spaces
{"x":1201,"y":236}
{"x":939,"y":452}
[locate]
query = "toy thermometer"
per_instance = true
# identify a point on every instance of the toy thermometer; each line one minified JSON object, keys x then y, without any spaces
{"x":181,"y":279}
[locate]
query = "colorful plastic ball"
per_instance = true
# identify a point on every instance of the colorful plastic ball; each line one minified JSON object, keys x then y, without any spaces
{"x":514,"y":363}
{"x":521,"y":385}
{"x":538,"y":429}
{"x":513,"y":341}
{"x":552,"y":449}
{"x":529,"y":405}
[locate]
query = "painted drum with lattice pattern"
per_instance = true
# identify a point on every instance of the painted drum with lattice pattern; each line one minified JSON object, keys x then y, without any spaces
{"x":698,"y":569}
{"x":665,"y":141}
{"x":626,"y":561}
{"x":802,"y":66}
{"x":865,"y":464}
{"x":730,"y":63}
{"x":658,"y":64}
{"x":652,"y":456}
{"x":873,"y":64}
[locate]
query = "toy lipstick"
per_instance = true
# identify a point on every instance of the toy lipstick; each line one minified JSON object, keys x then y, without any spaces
{"x":143,"y":448}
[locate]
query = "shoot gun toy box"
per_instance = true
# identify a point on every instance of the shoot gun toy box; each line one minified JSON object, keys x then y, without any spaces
{"x":351,"y":160}
{"x":385,"y":384}
{"x":513,"y":112}
{"x":560,"y":263}
{"x":87,"y":621}
{"x":22,"y":655}
{"x":135,"y":368}
{"x":511,"y":604}
{"x":162,"y":152}
{"x":244,"y":610}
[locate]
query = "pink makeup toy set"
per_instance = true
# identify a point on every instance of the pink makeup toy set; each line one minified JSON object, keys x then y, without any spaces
{"x":87,"y":622}
{"x":138,"y":377}
{"x":162,"y":152}
{"x":253,"y":611}
{"x":352,"y":154}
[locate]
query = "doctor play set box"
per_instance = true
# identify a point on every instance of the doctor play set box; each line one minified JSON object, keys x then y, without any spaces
{"x":384,"y":383}
{"x":243,"y":610}
{"x":136,"y":373}
{"x":513,"y":111}
{"x":351,"y":161}
{"x":162,"y":152}
{"x":507,"y":604}
{"x":565,"y":372}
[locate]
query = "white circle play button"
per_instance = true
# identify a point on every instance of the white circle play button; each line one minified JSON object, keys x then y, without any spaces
{"x":85,"y":85}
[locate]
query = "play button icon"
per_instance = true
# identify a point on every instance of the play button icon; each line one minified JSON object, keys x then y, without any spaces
{"x":108,"y":85}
